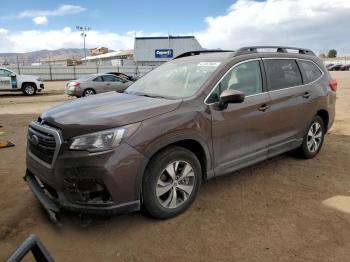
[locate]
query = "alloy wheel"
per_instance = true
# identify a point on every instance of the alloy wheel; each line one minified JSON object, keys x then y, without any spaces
{"x":29,"y":90}
{"x":314,"y":137}
{"x":175,"y":184}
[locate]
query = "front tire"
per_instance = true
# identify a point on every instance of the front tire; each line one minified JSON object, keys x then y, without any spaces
{"x":171,"y":182}
{"x":29,"y":89}
{"x":313,"y":139}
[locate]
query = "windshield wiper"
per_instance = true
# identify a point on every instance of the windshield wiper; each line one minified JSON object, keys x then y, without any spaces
{"x":153,"y":96}
{"x":146,"y":95}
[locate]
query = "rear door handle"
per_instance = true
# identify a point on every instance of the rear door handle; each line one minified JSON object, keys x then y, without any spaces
{"x":264,"y":107}
{"x":306,"y":95}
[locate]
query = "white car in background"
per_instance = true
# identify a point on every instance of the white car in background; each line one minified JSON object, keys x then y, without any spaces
{"x":10,"y":81}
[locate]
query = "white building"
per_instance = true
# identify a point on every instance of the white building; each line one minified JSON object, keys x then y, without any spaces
{"x":153,"y":51}
{"x":148,"y":51}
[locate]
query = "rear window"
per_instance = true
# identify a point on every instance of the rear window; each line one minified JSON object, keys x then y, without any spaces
{"x":282,"y":73}
{"x":311,"y":71}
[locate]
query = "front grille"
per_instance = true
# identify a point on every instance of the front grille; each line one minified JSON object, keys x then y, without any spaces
{"x":41,"y":144}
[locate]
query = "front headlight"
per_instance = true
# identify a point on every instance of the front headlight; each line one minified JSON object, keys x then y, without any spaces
{"x":104,"y":140}
{"x":39,"y":79}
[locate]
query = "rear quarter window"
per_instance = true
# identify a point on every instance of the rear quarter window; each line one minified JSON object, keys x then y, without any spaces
{"x":310,"y":70}
{"x":282,"y":73}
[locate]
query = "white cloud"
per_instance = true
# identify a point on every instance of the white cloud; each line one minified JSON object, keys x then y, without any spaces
{"x":60,"y":11}
{"x":3,"y":31}
{"x":315,"y":24}
{"x":40,"y":20}
{"x":32,"y":40}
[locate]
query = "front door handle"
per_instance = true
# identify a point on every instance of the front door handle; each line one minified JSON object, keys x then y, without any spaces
{"x":264,"y":107}
{"x":306,"y":95}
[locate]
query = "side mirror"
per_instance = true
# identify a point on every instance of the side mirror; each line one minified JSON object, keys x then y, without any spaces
{"x":231,"y":96}
{"x":13,"y":75}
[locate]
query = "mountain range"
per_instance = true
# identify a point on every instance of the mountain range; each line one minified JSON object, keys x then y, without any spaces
{"x":37,"y":56}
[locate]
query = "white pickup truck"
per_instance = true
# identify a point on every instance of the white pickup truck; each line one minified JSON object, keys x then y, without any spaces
{"x":10,"y":81}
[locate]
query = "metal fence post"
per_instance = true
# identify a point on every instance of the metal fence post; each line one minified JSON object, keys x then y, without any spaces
{"x":50,"y":71}
{"x":74,"y":73}
{"x":18,"y":69}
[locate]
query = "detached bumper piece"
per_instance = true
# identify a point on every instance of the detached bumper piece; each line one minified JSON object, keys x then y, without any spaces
{"x":49,"y":204}
{"x":54,"y":206}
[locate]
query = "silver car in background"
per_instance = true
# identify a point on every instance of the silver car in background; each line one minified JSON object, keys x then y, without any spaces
{"x":96,"y":83}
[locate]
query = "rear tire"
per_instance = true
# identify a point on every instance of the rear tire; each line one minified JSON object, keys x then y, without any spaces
{"x":171,"y":182}
{"x":313,"y":139}
{"x":29,"y":89}
{"x":89,"y":92}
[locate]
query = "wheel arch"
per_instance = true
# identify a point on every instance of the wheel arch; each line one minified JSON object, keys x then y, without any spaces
{"x":194,"y":144}
{"x":28,"y":82}
{"x":325,"y":117}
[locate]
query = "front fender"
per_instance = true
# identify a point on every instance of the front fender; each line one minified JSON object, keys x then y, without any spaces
{"x":168,"y":141}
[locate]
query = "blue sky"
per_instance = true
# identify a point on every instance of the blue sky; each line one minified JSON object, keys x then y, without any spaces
{"x":229,"y":24}
{"x":119,"y":16}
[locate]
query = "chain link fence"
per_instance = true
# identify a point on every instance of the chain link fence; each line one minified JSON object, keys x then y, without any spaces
{"x":59,"y":72}
{"x":344,"y":60}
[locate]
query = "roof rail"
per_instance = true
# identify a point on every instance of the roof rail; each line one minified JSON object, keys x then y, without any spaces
{"x":279,"y":49}
{"x":198,"y":52}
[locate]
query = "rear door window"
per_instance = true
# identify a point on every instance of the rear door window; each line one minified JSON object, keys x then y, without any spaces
{"x":245,"y":77}
{"x":282,"y":73}
{"x":310,"y":70}
{"x":111,"y":78}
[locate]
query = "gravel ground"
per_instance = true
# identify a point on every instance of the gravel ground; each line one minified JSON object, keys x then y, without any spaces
{"x":284,"y":209}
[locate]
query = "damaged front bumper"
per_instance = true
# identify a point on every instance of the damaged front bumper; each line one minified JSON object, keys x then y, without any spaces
{"x":102,"y":183}
{"x":54,"y":206}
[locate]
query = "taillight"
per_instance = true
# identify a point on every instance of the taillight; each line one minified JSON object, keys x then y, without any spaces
{"x":333,"y":84}
{"x":76,"y":84}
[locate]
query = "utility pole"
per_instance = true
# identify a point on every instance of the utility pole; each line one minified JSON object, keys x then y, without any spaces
{"x":83,"y":30}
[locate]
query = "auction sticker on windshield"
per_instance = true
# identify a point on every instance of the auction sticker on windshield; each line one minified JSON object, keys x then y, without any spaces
{"x":209,"y":64}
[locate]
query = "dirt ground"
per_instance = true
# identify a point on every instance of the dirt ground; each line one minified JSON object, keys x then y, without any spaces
{"x":284,"y":209}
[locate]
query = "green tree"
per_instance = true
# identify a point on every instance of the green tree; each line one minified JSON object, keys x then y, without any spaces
{"x":332,"y":53}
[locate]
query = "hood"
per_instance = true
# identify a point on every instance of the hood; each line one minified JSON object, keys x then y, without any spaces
{"x":104,"y":111}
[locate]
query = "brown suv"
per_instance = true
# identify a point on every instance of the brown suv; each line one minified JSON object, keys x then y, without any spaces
{"x":201,"y":115}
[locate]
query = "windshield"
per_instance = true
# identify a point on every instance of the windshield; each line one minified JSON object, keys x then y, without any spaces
{"x":174,"y":79}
